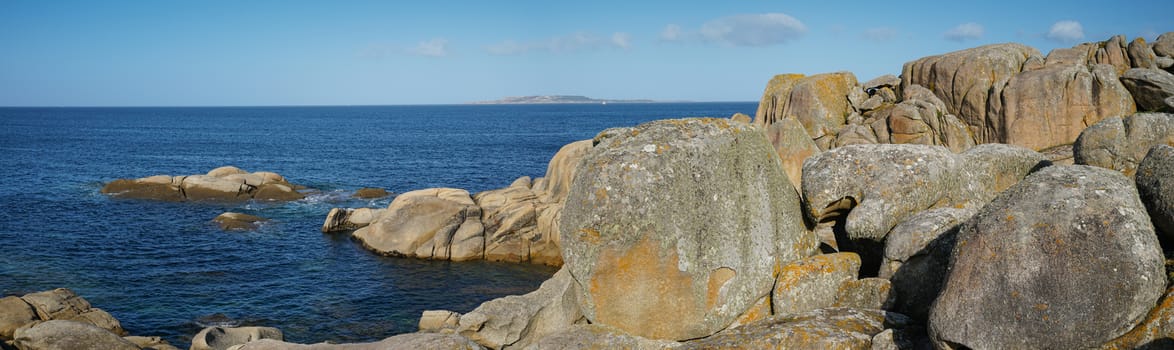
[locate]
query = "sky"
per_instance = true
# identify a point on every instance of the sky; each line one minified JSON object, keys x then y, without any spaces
{"x":259,"y":53}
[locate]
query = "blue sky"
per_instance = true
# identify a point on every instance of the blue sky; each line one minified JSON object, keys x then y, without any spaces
{"x":202,"y":53}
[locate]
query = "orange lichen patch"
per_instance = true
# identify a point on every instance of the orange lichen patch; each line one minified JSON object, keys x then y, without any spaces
{"x":798,"y":271}
{"x":640,"y":291}
{"x":1041,"y":307}
{"x":589,"y":235}
{"x":759,"y":311}
{"x":1155,"y":326}
{"x":717,"y":279}
{"x":601,"y":194}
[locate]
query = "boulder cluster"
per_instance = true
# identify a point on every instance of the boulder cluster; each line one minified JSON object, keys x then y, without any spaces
{"x":223,"y":184}
{"x":60,"y":319}
{"x":518,"y":223}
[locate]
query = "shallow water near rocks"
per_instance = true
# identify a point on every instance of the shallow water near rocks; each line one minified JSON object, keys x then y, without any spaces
{"x":164,"y":268}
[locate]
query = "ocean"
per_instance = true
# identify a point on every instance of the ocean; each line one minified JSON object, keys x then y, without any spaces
{"x":160,"y":267}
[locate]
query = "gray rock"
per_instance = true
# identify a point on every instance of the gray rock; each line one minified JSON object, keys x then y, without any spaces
{"x":414,"y":341}
{"x":1028,"y":270}
{"x":793,"y":146}
{"x":64,"y":304}
{"x":518,"y":320}
{"x":988,"y":169}
{"x":69,"y":335}
{"x":584,"y":337}
{"x":1141,"y":55}
{"x":917,"y":254}
{"x":832,"y":328}
{"x":1164,"y":63}
{"x":150,"y":343}
{"x":222,"y":338}
{"x":632,"y":214}
{"x":1164,"y":45}
{"x":14,"y":313}
{"x":1120,"y":144}
{"x":865,"y":293}
{"x":1156,"y":332}
{"x":348,"y":219}
{"x":1155,"y":184}
{"x":238,"y":221}
{"x":887,"y":80}
{"x":1151,"y":88}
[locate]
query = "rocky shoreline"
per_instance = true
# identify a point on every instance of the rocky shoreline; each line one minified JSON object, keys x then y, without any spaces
{"x":987,"y":198}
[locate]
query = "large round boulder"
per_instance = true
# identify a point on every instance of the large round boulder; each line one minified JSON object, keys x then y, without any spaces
{"x":435,"y":223}
{"x":1066,"y":258}
{"x":1155,"y":184}
{"x":674,"y":228}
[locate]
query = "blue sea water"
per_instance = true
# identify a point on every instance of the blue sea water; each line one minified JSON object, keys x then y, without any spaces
{"x":157,"y":266}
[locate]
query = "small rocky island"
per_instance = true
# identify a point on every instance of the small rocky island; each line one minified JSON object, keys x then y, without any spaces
{"x":988,"y":198}
{"x":554,"y":99}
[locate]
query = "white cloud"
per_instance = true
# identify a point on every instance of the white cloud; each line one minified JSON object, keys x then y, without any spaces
{"x":621,"y":40}
{"x":753,"y":29}
{"x":879,"y":34}
{"x":964,"y":32}
{"x":671,"y":32}
{"x":580,"y":41}
{"x":1066,"y":31}
{"x":437,"y":47}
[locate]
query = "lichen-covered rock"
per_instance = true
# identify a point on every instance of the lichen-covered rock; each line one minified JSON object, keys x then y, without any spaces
{"x":813,"y":283}
{"x":1155,"y":185}
{"x":970,"y":83}
{"x":597,"y":337}
{"x":1049,"y":107}
{"x":14,"y":313}
{"x":238,"y":221}
{"x":438,"y":223}
{"x":820,"y":103}
{"x":698,"y":210}
{"x":1152,"y":89}
{"x":1164,"y":45}
{"x":1121,"y":143}
{"x":741,"y":118}
{"x":518,"y":320}
{"x":414,"y":341}
{"x":1025,"y":269}
{"x":988,"y":169}
{"x":917,"y":254}
{"x":349,"y":219}
{"x":1154,"y":333}
{"x":879,"y":184}
{"x":560,"y":172}
{"x":1140,"y":54}
{"x":831,"y":328}
{"x":922,"y":118}
{"x":222,"y":338}
{"x":509,"y":217}
{"x":865,"y":293}
{"x":69,"y":335}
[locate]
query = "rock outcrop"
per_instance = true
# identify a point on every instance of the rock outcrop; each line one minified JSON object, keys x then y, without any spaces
{"x":1155,"y":185}
{"x":422,"y":341}
{"x":223,"y":338}
{"x":1050,"y":106}
{"x":518,"y":321}
{"x":633,"y":215}
{"x":833,"y":328}
{"x":441,"y":223}
{"x":1024,"y":268}
{"x":69,"y":335}
{"x":225,"y":184}
{"x":1120,"y":143}
{"x":1153,"y":89}
{"x":60,"y":319}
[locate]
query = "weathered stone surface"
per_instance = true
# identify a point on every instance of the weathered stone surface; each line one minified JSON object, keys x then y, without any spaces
{"x":774,"y":99}
{"x":852,"y":134}
{"x":238,"y":221}
{"x":988,"y":169}
{"x":1164,"y":45}
{"x":1140,"y":54}
{"x":414,"y":341}
{"x":879,"y":184}
{"x":820,"y":103}
{"x":597,"y":337}
{"x":917,"y":253}
{"x":228,"y":184}
{"x":130,"y":188}
{"x":437,"y":223}
{"x":518,"y":320}
{"x":371,"y":193}
{"x":1153,"y":89}
{"x":14,"y":313}
{"x":793,"y":145}
{"x":741,"y":118}
{"x":865,"y":293}
{"x":1112,"y":52}
{"x":57,"y":303}
{"x":1025,"y":269}
{"x":1050,"y":107}
{"x":970,"y":83}
{"x":347,"y":219}
{"x":813,"y":283}
{"x":560,"y":172}
{"x":922,"y":118}
{"x":221,"y":338}
{"x":439,"y":321}
{"x":632,"y":215}
{"x":1079,"y":54}
{"x":831,"y":328}
{"x":509,"y":216}
{"x":1155,"y":185}
{"x":1121,"y":143}
{"x":150,"y":343}
{"x":69,"y":335}
{"x":887,"y":80}
{"x":1155,"y":332}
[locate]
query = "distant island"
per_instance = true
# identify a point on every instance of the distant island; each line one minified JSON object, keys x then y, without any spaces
{"x":548,"y":99}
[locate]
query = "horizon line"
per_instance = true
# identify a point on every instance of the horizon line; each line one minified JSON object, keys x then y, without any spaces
{"x":361,"y":105}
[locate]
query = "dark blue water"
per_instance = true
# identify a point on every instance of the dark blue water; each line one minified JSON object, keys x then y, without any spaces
{"x":159,"y":266}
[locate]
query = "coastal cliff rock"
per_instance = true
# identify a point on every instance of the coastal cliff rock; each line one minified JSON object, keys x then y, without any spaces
{"x":222,"y":338}
{"x":441,"y":223}
{"x":1121,"y":143}
{"x":226,"y":184}
{"x":60,"y":319}
{"x":1048,"y":107}
{"x":1024,"y":267}
{"x":1155,"y":185}
{"x":633,"y":215}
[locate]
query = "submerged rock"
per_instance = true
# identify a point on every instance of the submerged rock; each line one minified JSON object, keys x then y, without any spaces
{"x":1024,"y":268}
{"x":238,"y":221}
{"x":370,"y":193}
{"x":635,"y":213}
